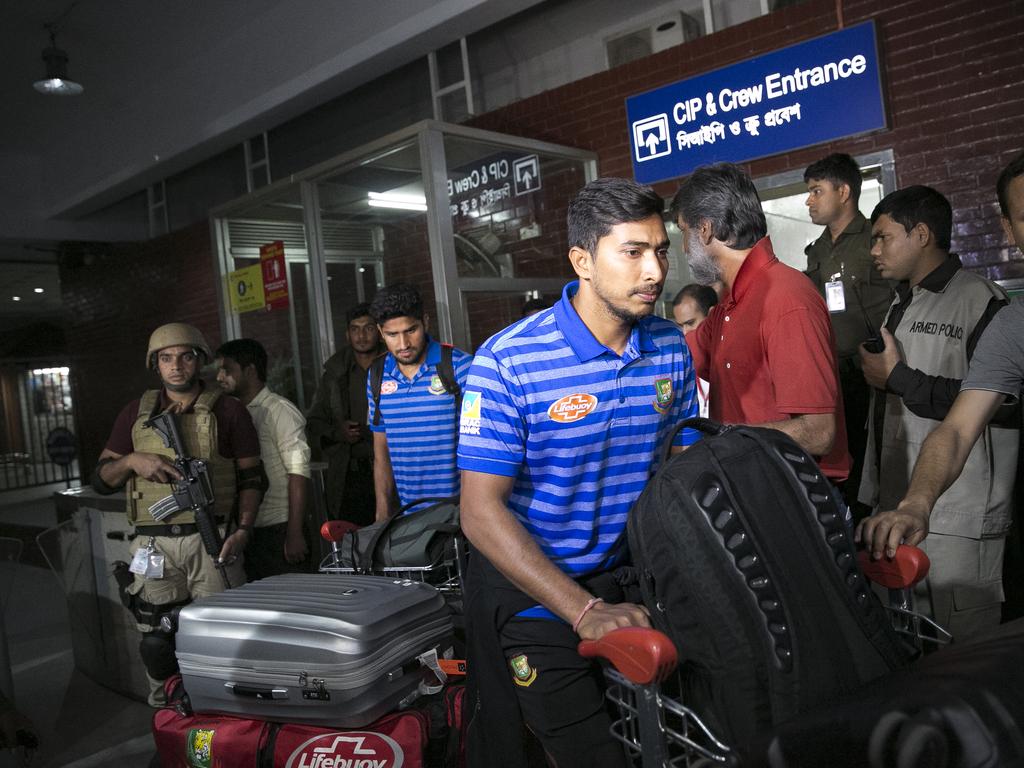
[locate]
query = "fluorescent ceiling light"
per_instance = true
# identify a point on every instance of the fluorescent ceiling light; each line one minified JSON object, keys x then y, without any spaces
{"x":38,"y":290}
{"x":395,"y":200}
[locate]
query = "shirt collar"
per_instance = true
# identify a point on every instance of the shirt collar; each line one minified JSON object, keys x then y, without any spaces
{"x":582,"y":341}
{"x":857,"y":224}
{"x":936,"y":280}
{"x":260,"y":397}
{"x":165,"y":402}
{"x":761,"y":257}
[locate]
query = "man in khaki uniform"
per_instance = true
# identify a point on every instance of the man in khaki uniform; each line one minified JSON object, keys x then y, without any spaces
{"x":169,"y":562}
{"x":840,"y":265}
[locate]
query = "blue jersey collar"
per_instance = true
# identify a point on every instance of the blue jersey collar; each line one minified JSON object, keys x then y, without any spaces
{"x":582,"y":341}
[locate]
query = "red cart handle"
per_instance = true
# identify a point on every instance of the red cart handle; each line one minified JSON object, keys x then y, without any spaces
{"x":905,"y":569}
{"x":642,"y":655}
{"x":336,"y":530}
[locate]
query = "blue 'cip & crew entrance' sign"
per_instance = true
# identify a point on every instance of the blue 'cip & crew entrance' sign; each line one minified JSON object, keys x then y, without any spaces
{"x":808,"y":93}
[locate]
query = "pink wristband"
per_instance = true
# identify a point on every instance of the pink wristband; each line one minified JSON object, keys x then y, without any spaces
{"x":590,"y":604}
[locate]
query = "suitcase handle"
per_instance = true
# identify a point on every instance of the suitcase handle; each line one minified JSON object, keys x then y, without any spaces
{"x":251,"y":692}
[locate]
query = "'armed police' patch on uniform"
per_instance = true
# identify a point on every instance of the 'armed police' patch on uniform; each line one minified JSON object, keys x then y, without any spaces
{"x":949,"y":330}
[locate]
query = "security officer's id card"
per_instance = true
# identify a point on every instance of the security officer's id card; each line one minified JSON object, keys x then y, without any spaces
{"x":147,"y":562}
{"x":835,"y":297}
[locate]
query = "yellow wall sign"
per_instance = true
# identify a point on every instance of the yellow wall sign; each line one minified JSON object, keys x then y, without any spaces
{"x":246,"y":289}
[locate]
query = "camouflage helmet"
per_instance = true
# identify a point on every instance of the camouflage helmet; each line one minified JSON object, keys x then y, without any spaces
{"x":176,"y":335}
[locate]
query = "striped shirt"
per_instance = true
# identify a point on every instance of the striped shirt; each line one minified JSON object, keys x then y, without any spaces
{"x":577,"y":425}
{"x":418,"y":417}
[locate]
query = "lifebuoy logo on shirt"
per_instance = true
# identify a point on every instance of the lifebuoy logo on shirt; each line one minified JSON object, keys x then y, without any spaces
{"x":572,"y":408}
{"x":469,"y":419}
{"x":389,"y":387}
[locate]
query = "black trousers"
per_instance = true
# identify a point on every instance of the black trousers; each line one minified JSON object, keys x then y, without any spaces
{"x":856,"y":404}
{"x":526,"y":671}
{"x":265,"y":554}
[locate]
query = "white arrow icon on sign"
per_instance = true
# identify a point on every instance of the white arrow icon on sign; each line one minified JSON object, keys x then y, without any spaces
{"x":650,"y":138}
{"x":526,"y":174}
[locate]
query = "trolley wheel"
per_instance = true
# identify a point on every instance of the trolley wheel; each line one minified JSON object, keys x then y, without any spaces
{"x":882,"y":742}
{"x":922,"y":745}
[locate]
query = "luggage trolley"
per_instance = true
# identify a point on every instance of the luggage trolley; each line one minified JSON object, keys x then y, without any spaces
{"x":658,"y":731}
{"x":445,"y":574}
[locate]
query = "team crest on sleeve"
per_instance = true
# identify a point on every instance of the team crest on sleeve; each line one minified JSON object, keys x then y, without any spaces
{"x":663,"y":394}
{"x":436,"y":385}
{"x":469,"y":419}
{"x":572,"y":408}
{"x":389,"y":387}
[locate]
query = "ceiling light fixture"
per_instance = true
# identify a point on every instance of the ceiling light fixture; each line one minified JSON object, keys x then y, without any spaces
{"x":393,"y":200}
{"x":56,"y":82}
{"x":38,"y":290}
{"x":15,"y":298}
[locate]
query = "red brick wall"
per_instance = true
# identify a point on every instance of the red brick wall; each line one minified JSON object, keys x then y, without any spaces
{"x":956,"y":106}
{"x":115,"y":300}
{"x":954,"y":74}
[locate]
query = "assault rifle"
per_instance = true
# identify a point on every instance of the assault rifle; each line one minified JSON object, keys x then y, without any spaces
{"x":194,"y":491}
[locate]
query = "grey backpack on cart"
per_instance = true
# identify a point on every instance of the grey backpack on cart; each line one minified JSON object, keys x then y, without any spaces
{"x":746,"y":562}
{"x":338,"y":650}
{"x":418,"y":539}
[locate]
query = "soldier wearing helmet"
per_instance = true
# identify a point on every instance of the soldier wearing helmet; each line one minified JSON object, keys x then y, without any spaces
{"x":169,"y":563}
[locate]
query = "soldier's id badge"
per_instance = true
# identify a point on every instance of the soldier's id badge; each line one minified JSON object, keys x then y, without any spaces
{"x":835,"y":297}
{"x":155,"y":566}
{"x":140,"y":561}
{"x":147,"y":562}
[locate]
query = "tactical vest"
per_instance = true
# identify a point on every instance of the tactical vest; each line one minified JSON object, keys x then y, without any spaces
{"x":932,"y":337}
{"x":198,"y":430}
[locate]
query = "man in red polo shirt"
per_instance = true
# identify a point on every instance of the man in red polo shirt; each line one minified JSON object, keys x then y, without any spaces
{"x":767,"y":348}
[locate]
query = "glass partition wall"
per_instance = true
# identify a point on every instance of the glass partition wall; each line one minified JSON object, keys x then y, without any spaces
{"x":475,"y":219}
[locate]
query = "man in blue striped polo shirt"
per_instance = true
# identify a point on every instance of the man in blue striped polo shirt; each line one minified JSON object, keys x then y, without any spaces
{"x":561,"y":424}
{"x":415,"y":431}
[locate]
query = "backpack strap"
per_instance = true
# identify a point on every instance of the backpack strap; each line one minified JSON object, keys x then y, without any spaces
{"x":707,"y":426}
{"x":446,"y":372}
{"x":376,"y":379}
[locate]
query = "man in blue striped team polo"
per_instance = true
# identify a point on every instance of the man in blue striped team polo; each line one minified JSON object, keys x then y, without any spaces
{"x":415,"y":431}
{"x":561,"y":424}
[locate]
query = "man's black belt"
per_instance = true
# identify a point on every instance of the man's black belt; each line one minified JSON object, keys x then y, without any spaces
{"x":182,"y":529}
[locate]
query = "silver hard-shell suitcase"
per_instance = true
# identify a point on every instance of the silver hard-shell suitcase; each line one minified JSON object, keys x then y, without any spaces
{"x":311,"y":648}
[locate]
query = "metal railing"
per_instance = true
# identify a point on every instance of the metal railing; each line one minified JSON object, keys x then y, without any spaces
{"x":37,"y":441}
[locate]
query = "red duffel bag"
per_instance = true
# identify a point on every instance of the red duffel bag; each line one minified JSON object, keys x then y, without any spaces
{"x":397,"y":740}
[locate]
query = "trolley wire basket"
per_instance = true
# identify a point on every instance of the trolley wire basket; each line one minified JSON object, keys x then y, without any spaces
{"x":659,"y":731}
{"x":445,"y":575}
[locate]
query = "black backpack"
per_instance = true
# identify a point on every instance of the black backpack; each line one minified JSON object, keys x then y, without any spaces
{"x":746,"y":563}
{"x":445,"y":372}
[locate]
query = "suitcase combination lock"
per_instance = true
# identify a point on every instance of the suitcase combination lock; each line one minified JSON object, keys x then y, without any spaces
{"x":314,"y":689}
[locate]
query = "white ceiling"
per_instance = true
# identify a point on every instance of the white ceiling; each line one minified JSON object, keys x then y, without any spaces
{"x":169,"y":84}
